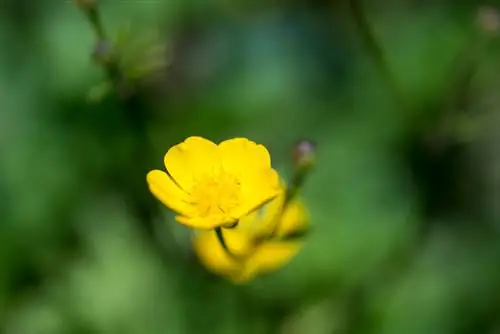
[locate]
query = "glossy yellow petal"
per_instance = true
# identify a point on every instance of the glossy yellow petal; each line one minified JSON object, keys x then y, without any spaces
{"x":193,"y":157}
{"x":295,"y":216}
{"x":251,"y":162}
{"x":240,"y":155}
{"x":246,"y":224}
{"x":238,"y":242}
{"x":257,"y":190}
{"x":205,"y":223}
{"x":262,"y":221}
{"x":213,"y":256}
{"x":271,"y":214}
{"x":163,"y":188}
{"x":271,"y":256}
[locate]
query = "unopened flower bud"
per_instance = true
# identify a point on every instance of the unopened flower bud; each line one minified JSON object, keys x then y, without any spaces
{"x":488,"y":19}
{"x":303,"y":159}
{"x":303,"y":154}
{"x":103,"y":53}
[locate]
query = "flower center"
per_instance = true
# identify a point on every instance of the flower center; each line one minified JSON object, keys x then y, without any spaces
{"x":216,"y":194}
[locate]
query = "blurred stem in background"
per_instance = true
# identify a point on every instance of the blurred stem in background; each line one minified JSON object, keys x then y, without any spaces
{"x":131,"y":179}
{"x":435,"y":145}
{"x":443,"y":122}
{"x":443,"y":139}
{"x":375,"y":50}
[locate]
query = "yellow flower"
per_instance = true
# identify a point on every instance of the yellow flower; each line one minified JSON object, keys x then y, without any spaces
{"x":245,"y":257}
{"x":210,"y":185}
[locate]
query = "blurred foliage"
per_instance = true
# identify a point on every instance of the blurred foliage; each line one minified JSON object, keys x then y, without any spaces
{"x":404,"y":200}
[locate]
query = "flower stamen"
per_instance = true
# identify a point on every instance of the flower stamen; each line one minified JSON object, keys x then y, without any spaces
{"x":216,"y":194}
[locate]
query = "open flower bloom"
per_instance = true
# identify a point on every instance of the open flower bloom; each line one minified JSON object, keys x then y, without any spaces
{"x":245,"y":257}
{"x":210,"y":185}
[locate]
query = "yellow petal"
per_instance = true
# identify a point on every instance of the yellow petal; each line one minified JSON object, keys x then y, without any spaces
{"x":243,"y":155}
{"x":247,"y":222}
{"x":163,"y":188}
{"x":238,"y":241}
{"x":192,"y":157}
{"x":271,"y":214}
{"x":204,"y":223}
{"x":271,"y":256}
{"x":213,"y":256}
{"x":294,"y":217}
{"x":250,"y":223}
{"x":260,"y":222}
{"x":256,"y":190}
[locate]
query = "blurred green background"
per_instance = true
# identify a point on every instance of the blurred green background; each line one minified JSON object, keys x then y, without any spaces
{"x":404,"y":200}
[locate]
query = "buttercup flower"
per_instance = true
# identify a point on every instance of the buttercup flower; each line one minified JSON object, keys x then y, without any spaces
{"x":248,"y":253}
{"x":210,"y":185}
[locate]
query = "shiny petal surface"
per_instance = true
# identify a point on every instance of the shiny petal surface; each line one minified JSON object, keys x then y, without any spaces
{"x":271,"y":256}
{"x":212,"y":255}
{"x":295,"y":216}
{"x":204,"y":223}
{"x":257,"y":190}
{"x":193,"y":157}
{"x":163,"y":188}
{"x":240,"y":155}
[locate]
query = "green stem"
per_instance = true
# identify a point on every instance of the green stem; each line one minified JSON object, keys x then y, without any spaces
{"x":95,"y":21}
{"x":375,"y":50}
{"x":132,"y":186}
{"x":296,"y":183}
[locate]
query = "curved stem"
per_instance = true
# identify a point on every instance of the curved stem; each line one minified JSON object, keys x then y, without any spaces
{"x":135,"y":119}
{"x":375,"y":50}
